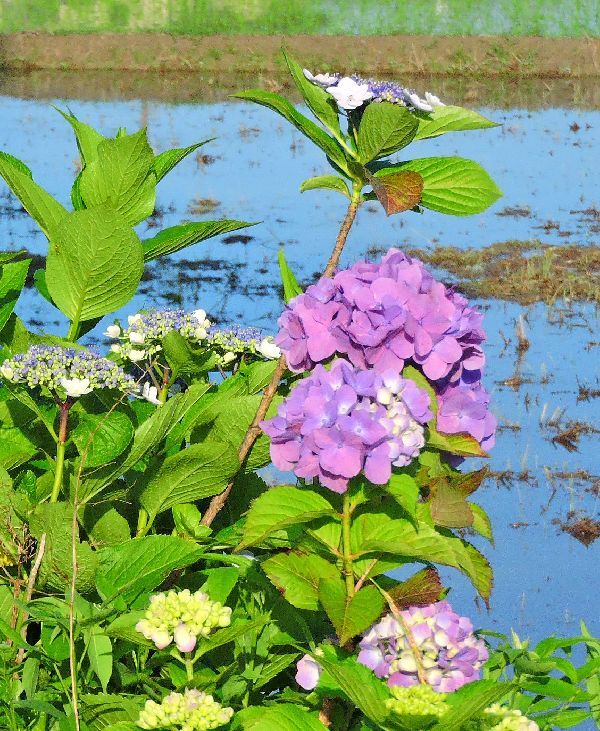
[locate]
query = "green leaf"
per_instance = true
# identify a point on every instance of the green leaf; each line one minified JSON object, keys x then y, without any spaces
{"x":101,"y":438}
{"x":122,"y":177}
{"x":87,"y":137}
{"x":448,"y":505}
{"x":165,"y":161}
{"x":123,"y":628}
{"x":280,"y":717}
{"x":327,"y":182}
{"x":187,"y":519}
{"x":469,"y":701}
{"x":361,"y":686}
{"x":39,"y":279}
{"x":297,"y":577}
{"x":405,"y":491}
{"x":291,"y":288}
{"x":94,"y":265}
{"x":104,"y":524}
{"x":200,"y":471}
{"x":279,"y":508}
{"x":451,"y":185}
{"x":220,"y":582}
{"x":350,"y":615}
{"x":99,"y":649}
{"x":593,"y":681}
{"x":481,"y":522}
{"x":185,"y":359}
{"x":283,"y":107}
{"x":110,"y":712}
{"x":175,"y":238}
{"x":463,"y":445}
{"x":144,"y":563}
{"x":41,"y":206}
{"x":384,"y":129}
{"x":450,"y":119}
{"x":12,"y":281}
{"x":226,"y":635}
{"x":321,"y":104}
{"x":377,"y":532}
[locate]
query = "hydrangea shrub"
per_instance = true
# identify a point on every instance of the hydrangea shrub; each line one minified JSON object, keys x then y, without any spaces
{"x":153,"y":574}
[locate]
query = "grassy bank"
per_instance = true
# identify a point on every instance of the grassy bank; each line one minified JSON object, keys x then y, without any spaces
{"x":397,"y":55}
{"x":551,"y":18}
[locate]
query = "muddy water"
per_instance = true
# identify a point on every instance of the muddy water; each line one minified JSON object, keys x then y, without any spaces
{"x":543,"y":480}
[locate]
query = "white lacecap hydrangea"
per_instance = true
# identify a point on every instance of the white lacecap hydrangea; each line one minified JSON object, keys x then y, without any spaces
{"x":191,"y":710}
{"x":183,"y":617}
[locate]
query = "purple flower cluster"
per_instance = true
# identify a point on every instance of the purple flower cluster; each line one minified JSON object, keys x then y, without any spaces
{"x":336,"y":424}
{"x":450,"y":655}
{"x":383,"y":316}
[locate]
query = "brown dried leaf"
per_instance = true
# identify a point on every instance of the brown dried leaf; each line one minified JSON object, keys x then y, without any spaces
{"x":399,"y":191}
{"x":424,"y":588}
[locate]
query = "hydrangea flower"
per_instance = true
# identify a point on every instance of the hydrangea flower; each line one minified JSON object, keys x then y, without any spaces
{"x":450,"y":654}
{"x":308,"y":671}
{"x":183,"y":617}
{"x":417,"y":700}
{"x":233,"y":341}
{"x":146,"y":330}
{"x":77,"y":372}
{"x":500,"y":718}
{"x":191,"y":710}
{"x":389,"y":314}
{"x":336,"y":424}
{"x":353,"y":91}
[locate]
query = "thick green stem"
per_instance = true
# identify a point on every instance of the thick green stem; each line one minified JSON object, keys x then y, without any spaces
{"x":189,"y":666}
{"x":164,"y":390}
{"x":142,"y":525}
{"x":73,"y":329}
{"x":346,"y":545}
{"x":60,"y":451}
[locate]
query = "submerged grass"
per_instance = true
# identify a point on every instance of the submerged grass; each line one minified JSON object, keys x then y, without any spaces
{"x":521,"y":271}
{"x":551,"y":18}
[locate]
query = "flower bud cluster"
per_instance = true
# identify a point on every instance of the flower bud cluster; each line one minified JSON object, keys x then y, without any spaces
{"x":417,"y":700}
{"x":500,"y":718}
{"x":191,"y":710}
{"x":233,"y":341}
{"x":450,"y":655}
{"x":336,"y":424}
{"x":142,"y":339}
{"x":183,"y":617}
{"x":78,"y":372}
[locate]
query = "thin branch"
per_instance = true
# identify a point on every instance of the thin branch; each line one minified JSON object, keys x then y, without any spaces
{"x":217,"y":503}
{"x":30,"y":587}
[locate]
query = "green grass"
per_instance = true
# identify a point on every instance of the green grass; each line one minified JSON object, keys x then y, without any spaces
{"x":364,"y":17}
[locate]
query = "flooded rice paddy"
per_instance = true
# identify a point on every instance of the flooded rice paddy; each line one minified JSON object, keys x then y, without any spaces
{"x":543,"y":491}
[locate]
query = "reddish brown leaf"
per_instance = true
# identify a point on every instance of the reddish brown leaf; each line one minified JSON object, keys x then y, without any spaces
{"x":399,"y":191}
{"x":449,"y":507}
{"x":468,"y":482}
{"x":424,"y":588}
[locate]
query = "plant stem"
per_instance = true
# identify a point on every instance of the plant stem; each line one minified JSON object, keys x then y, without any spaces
{"x":60,"y":451}
{"x":73,"y":328}
{"x":346,"y":547}
{"x":164,"y":390}
{"x":253,"y":432}
{"x":142,"y":525}
{"x":189,"y":666}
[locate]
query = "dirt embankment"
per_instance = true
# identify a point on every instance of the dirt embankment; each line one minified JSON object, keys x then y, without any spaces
{"x":412,"y":55}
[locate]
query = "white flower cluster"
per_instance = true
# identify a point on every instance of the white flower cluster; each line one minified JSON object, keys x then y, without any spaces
{"x":506,"y":719}
{"x":183,"y":617}
{"x":191,"y":710}
{"x":142,"y":339}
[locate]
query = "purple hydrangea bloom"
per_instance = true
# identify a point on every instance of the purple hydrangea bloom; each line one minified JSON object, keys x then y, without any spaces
{"x":308,"y":672}
{"x":336,"y":424}
{"x":389,"y":314}
{"x":463,"y":408}
{"x":450,"y":654}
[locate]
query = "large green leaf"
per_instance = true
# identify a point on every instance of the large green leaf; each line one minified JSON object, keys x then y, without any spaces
{"x":384,"y":129}
{"x":95,"y":263}
{"x":185,"y":358}
{"x":41,"y":206}
{"x":326,"y":182}
{"x":87,"y":137}
{"x":99,"y":651}
{"x":101,"y":438}
{"x":143,"y":563}
{"x":281,"y":717}
{"x":282,"y":106}
{"x":173,"y":239}
{"x":224,"y":636}
{"x":350,"y":615}
{"x":122,"y":176}
{"x":469,"y":701}
{"x":462,"y":444}
{"x":200,"y":471}
{"x":12,"y":281}
{"x":104,"y":712}
{"x":297,"y":576}
{"x":451,"y":185}
{"x":165,"y":161}
{"x":279,"y":508}
{"x":377,"y":532}
{"x":321,"y":104}
{"x":291,"y":288}
{"x":450,"y":119}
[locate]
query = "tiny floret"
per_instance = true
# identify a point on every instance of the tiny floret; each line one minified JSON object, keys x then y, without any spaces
{"x":191,"y":710}
{"x":183,"y":617}
{"x":417,"y":700}
{"x":349,"y":94}
{"x":322,"y":80}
